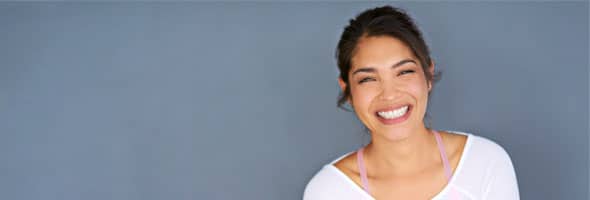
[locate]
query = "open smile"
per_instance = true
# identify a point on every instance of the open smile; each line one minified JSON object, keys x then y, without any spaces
{"x":394,"y":115}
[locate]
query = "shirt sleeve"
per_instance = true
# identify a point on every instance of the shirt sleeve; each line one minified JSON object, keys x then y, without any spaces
{"x":328,"y":184}
{"x":311,"y":192}
{"x":317,"y":188}
{"x":502,"y":184}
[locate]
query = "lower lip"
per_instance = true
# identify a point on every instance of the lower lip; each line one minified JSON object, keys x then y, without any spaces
{"x":395,"y":120}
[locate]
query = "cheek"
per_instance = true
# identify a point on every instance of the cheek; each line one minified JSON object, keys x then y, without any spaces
{"x":361,"y":97}
{"x":420,"y":89}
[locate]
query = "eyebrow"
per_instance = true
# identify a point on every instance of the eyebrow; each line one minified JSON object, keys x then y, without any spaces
{"x":370,"y":69}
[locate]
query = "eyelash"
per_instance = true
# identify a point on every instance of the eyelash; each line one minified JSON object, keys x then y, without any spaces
{"x":406,"y":71}
{"x":370,"y":78}
{"x":365,"y":80}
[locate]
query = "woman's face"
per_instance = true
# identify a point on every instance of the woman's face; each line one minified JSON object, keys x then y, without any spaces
{"x":389,"y":91}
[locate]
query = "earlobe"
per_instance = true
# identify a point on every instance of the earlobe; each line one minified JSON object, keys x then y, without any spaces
{"x":343,"y":88}
{"x":342,"y":84}
{"x":431,"y":70}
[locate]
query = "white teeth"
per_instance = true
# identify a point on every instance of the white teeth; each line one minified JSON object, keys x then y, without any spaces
{"x":393,"y":113}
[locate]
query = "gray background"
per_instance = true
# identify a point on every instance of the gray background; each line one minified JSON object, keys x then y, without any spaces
{"x":237,"y":100}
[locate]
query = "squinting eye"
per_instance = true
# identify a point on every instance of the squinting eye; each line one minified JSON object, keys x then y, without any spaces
{"x":406,"y":72}
{"x":366,"y":79}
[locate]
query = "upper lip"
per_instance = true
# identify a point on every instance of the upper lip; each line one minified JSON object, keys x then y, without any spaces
{"x":390,"y":108}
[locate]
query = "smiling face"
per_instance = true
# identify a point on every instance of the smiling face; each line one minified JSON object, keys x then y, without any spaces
{"x":389,"y":91}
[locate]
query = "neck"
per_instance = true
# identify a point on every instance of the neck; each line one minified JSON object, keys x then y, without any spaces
{"x":403,"y":156}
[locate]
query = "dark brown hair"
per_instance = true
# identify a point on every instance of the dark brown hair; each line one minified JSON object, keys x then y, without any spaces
{"x":380,"y":21}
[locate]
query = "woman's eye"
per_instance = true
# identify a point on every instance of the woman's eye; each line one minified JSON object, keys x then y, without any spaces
{"x":406,"y":72}
{"x":367,"y":79}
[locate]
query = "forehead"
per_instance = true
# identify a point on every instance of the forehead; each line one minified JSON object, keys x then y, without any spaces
{"x":378,"y":51}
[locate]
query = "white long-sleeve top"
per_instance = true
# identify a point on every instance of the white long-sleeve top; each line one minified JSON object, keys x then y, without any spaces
{"x":484,"y":172}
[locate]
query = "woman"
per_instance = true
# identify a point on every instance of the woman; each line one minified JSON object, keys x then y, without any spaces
{"x":386,"y":75}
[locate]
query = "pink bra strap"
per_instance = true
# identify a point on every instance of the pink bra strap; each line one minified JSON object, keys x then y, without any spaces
{"x":362,"y":170}
{"x":443,"y":155}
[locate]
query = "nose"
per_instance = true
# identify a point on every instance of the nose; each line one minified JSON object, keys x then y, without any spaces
{"x":389,"y":92}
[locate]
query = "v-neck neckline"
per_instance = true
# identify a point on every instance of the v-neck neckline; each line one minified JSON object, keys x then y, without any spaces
{"x":438,"y":195}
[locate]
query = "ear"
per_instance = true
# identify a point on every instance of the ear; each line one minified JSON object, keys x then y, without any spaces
{"x":341,"y":83}
{"x":431,"y":70}
{"x":343,"y":87}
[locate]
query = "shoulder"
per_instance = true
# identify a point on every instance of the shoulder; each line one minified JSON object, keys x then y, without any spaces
{"x":480,"y":146}
{"x":321,"y":184}
{"x":489,"y":157}
{"x":330,"y":183}
{"x":483,"y":156}
{"x":499,"y":175}
{"x":488,"y":149}
{"x":486,"y":170}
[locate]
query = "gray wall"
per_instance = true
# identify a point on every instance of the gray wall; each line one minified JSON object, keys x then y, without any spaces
{"x":237,"y":100}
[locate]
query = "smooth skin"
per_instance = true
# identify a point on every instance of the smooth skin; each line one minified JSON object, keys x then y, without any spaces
{"x":402,"y":159}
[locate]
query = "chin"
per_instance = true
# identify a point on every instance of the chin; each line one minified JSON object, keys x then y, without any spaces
{"x":395,"y":134}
